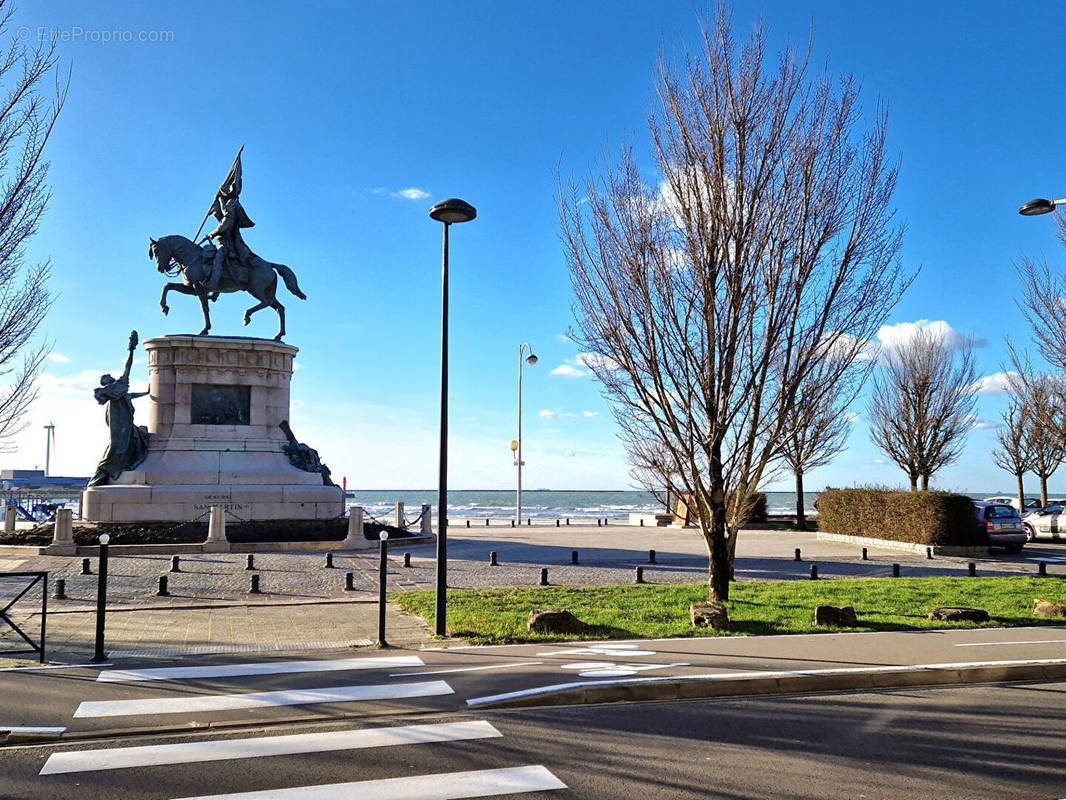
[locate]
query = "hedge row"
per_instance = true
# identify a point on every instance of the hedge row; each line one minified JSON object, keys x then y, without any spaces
{"x":929,"y":518}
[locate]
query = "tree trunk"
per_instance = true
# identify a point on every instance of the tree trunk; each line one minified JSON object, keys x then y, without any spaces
{"x":1021,"y":493}
{"x":1043,"y":491}
{"x":914,"y":483}
{"x":925,"y":483}
{"x":801,"y":520}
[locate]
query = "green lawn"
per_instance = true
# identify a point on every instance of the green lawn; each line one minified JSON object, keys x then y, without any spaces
{"x":498,"y":616}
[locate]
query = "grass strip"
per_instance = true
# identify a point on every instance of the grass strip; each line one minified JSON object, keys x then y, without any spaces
{"x":499,"y":616}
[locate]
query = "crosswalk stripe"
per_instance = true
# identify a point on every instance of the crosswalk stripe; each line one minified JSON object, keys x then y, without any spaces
{"x":196,"y":752}
{"x":258,"y":668}
{"x":288,"y":697}
{"x":442,"y":786}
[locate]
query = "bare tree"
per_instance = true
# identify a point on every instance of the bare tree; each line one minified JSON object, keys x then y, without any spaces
{"x":1014,"y":454}
{"x":706,"y":300}
{"x":27,"y":117}
{"x":1044,"y":401}
{"x":816,"y":428}
{"x":922,"y":404}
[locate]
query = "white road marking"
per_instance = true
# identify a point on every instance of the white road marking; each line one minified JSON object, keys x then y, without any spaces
{"x":463,"y":669}
{"x":994,"y":644}
{"x":724,"y":676}
{"x":608,"y":669}
{"x":257,"y":668}
{"x":442,"y":786}
{"x":196,"y":752}
{"x":288,"y":697}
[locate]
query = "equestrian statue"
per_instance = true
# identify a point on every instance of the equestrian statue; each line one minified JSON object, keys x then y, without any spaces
{"x":221,"y":261}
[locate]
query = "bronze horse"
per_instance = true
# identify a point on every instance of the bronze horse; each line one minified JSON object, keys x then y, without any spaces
{"x":259,"y":278}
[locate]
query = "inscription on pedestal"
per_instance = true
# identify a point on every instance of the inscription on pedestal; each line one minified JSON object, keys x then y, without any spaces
{"x":221,"y":405}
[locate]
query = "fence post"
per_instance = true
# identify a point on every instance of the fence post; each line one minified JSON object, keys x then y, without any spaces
{"x":356,"y":539}
{"x":216,"y":531}
{"x":9,"y":519}
{"x":63,"y":535}
{"x":427,"y":520}
{"x":399,"y":515}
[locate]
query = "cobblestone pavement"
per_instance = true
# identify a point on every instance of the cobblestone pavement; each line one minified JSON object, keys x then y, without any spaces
{"x":304,"y":605}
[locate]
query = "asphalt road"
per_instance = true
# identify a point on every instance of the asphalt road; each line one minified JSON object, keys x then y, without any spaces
{"x":228,"y":690}
{"x":970,"y":743}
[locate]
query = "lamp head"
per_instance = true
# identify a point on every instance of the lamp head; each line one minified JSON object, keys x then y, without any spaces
{"x":531,"y":359}
{"x":514,"y":445}
{"x":384,"y":536}
{"x":1036,"y":207}
{"x":104,"y":538}
{"x":453,"y":210}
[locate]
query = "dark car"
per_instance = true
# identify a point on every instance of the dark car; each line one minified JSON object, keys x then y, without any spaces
{"x":1001,"y":526}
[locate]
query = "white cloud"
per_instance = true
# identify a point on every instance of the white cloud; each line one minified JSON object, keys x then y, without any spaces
{"x":978,"y":424}
{"x":547,"y":413}
{"x":594,"y":361}
{"x":568,"y":371}
{"x":996,"y":383}
{"x":569,"y":454}
{"x":590,"y":413}
{"x":58,"y":358}
{"x":410,"y":193}
{"x":900,"y":334}
{"x":851,"y":416}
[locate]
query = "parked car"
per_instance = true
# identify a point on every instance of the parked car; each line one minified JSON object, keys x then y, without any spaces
{"x":1001,"y":524}
{"x":1048,"y":522}
{"x":1031,"y":503}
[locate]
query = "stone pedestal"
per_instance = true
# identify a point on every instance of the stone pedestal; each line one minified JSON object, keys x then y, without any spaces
{"x":215,"y":405}
{"x":63,"y":538}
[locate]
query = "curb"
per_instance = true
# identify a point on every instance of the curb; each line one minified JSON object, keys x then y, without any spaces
{"x":768,"y":683}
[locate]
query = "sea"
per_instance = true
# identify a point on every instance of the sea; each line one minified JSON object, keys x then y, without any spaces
{"x":542,"y":503}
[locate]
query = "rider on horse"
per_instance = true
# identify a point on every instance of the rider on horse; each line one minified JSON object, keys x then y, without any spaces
{"x":231,"y":216}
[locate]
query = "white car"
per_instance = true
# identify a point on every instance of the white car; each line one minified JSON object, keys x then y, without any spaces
{"x":1031,"y":503}
{"x":1046,"y":523}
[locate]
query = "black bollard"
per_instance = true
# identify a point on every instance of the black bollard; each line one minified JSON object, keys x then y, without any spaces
{"x":865,"y":555}
{"x":544,"y":576}
{"x":528,"y":522}
{"x":973,"y":570}
{"x":929,"y":552}
{"x":597,"y":522}
{"x":61,"y":589}
{"x":605,"y":522}
{"x":814,"y":572}
{"x":162,"y":590}
{"x":255,"y":585}
{"x":468,"y":523}
{"x":175,"y":564}
{"x":640,"y":575}
{"x":895,"y":570}
{"x":251,"y":562}
{"x":492,"y":559}
{"x":1041,"y":569}
{"x":407,"y":560}
{"x":568,"y":520}
{"x":486,"y":523}
{"x":101,"y":601}
{"x":573,"y":556}
{"x":798,"y":554}
{"x":556,"y":523}
{"x":512,"y":523}
{"x":642,"y":522}
{"x":349,"y":581}
{"x":85,"y":570}
{"x":329,"y":560}
{"x":651,"y":556}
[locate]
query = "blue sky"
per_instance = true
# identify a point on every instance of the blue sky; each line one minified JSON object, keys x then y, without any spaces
{"x":344,"y":106}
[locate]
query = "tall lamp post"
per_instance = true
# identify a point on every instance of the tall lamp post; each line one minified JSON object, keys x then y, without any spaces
{"x":447,"y":211}
{"x":531,"y":360}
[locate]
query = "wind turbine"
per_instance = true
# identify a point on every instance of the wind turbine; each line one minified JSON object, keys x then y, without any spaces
{"x":49,"y":445}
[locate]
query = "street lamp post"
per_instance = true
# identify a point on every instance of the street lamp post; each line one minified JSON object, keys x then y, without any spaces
{"x":447,"y":211}
{"x":99,"y":655}
{"x":531,"y":360}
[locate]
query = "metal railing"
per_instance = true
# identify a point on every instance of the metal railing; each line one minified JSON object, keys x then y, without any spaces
{"x":33,"y":579}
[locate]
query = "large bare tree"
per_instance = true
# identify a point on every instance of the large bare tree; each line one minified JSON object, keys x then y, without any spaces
{"x":1013,"y":453}
{"x":28,"y":112}
{"x":764,"y":247}
{"x":922,"y":403}
{"x":817,"y":426}
{"x":1044,"y":401}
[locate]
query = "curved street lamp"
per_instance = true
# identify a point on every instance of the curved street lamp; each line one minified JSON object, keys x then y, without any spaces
{"x":447,"y":211}
{"x":1039,"y":206}
{"x":531,"y":360}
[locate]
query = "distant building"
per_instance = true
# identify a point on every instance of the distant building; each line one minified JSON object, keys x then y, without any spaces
{"x":36,"y":479}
